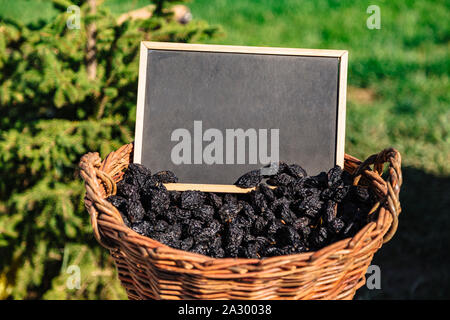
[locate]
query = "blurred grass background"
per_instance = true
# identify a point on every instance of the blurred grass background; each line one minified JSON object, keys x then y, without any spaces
{"x":398,"y":95}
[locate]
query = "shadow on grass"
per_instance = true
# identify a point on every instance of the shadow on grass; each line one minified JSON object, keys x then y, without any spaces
{"x":415,"y":264}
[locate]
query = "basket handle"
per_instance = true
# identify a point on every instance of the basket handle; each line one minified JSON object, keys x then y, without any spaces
{"x":99,"y":183}
{"x":388,"y":189}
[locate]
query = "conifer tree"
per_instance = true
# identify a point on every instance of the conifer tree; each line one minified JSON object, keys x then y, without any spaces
{"x":65,"y":92}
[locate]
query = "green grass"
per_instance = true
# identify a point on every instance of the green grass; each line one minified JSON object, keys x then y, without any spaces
{"x":27,"y":11}
{"x":405,"y":65}
{"x":31,"y":11}
{"x":399,"y":95}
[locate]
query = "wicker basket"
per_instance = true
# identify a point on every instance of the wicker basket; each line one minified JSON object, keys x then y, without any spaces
{"x":150,"y":270}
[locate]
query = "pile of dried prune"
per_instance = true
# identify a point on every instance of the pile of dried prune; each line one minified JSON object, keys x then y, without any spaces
{"x":289,"y":212}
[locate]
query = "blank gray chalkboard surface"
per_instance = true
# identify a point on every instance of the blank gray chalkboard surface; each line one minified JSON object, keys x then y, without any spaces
{"x":189,"y":96}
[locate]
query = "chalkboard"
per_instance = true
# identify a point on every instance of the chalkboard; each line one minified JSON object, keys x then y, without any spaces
{"x":211,"y":113}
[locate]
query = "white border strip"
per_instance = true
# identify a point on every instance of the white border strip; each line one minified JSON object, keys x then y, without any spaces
{"x":139,"y":127}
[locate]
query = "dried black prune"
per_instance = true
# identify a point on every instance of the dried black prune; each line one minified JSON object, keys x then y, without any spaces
{"x":282,"y":179}
{"x":259,"y":225}
{"x":336,"y":225}
{"x":284,"y":213}
{"x":209,"y":232}
{"x":219,"y":253}
{"x":161,"y":226}
{"x":250,"y":179}
{"x":204,"y":213}
{"x":214,"y":200}
{"x":298,"y":215}
{"x":125,"y":219}
{"x":288,"y":236}
{"x":118,"y":202}
{"x":358,"y":193}
{"x":148,"y":186}
{"x":206,"y":234}
{"x":136,"y":174}
{"x":249,"y":251}
{"x":308,"y":192}
{"x":334,"y":176}
{"x":229,"y":211}
{"x":159,"y":201}
{"x":234,"y":236}
{"x":243,"y":222}
{"x":311,"y":205}
{"x":187,"y":244}
{"x":268,"y":215}
{"x":135,"y":211}
{"x":251,"y":248}
{"x":229,"y":198}
{"x":166,"y":238}
{"x":182,"y":214}
{"x":278,"y":203}
{"x":336,"y":194}
{"x":341,"y":193}
{"x":302,"y":222}
{"x":150,"y":216}
{"x":142,"y":227}
{"x":294,"y":189}
{"x":122,"y":206}
{"x":174,"y":231}
{"x":318,"y":237}
{"x":329,"y":211}
{"x":216,"y":243}
{"x":248,"y":211}
{"x":128,"y":191}
{"x":165,"y":177}
{"x":267,"y":192}
{"x":258,"y":201}
{"x":272,"y":251}
{"x":319,"y":181}
{"x":194,"y":227}
{"x":192,"y":199}
{"x":302,"y":225}
{"x":170,"y":237}
{"x":294,"y":170}
{"x":248,"y":237}
{"x":200,"y":248}
{"x":281,"y":191}
{"x":175,"y":198}
{"x":214,"y":225}
{"x":169,"y":215}
{"x":273,"y":227}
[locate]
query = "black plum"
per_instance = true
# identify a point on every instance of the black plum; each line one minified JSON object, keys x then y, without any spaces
{"x":288,"y":212}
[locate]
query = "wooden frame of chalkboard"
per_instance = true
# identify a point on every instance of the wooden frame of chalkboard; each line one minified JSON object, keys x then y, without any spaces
{"x":342,"y":55}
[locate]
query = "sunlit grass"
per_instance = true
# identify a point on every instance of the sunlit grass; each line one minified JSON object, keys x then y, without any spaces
{"x":406,"y":63}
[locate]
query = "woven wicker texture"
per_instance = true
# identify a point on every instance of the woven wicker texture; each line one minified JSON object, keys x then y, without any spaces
{"x":151,"y":270}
